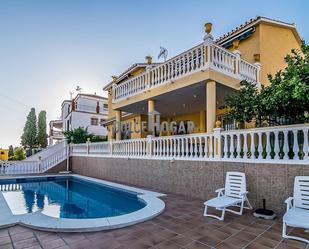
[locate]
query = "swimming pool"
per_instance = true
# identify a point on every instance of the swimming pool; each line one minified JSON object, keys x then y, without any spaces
{"x":75,"y":203}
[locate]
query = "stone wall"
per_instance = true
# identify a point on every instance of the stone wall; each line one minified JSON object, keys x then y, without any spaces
{"x":274,"y":182}
{"x":60,"y":167}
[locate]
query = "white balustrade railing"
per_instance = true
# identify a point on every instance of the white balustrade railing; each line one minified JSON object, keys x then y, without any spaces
{"x":191,"y":146}
{"x":34,"y":167}
{"x":19,"y":167}
{"x":281,"y":144}
{"x":206,"y":55}
{"x":79,"y":149}
{"x":276,"y":144}
{"x":53,"y":159}
{"x":248,"y":71}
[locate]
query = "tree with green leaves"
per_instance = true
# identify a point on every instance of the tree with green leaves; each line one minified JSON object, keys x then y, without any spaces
{"x":42,"y":136}
{"x":29,"y":136}
{"x":288,"y":94}
{"x":19,"y":154}
{"x":81,"y":135}
{"x":286,"y":97}
{"x":245,"y":105}
{"x":11,"y":151}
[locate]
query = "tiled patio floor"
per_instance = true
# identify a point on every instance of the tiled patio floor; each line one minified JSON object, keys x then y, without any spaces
{"x":180,"y":226}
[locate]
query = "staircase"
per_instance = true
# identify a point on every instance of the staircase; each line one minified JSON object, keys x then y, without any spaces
{"x":38,"y":163}
{"x":46,"y":152}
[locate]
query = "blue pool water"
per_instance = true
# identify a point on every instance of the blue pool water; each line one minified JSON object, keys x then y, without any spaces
{"x":68,"y":197}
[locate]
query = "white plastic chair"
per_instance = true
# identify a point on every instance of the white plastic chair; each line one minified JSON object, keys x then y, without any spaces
{"x":297,"y":213}
{"x":234,"y":194}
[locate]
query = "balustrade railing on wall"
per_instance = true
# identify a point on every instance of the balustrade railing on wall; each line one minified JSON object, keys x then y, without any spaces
{"x":206,"y":55}
{"x":287,"y":144}
{"x":35,"y":166}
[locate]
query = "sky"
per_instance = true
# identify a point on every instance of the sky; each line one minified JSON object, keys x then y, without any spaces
{"x":48,"y":47}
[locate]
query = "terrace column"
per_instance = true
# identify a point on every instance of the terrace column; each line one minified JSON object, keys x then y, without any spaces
{"x":210,"y":105}
{"x":151,"y":116}
{"x":202,"y":121}
{"x":168,"y":130}
{"x":118,"y":125}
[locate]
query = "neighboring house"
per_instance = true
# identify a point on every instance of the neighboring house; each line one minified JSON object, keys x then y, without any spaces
{"x":85,"y":110}
{"x":4,"y":154}
{"x":192,"y":85}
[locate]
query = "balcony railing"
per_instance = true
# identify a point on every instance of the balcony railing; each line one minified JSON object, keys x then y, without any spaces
{"x":281,"y":144}
{"x":205,"y":56}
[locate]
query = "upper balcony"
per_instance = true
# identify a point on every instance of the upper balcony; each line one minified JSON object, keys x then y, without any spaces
{"x":205,"y":57}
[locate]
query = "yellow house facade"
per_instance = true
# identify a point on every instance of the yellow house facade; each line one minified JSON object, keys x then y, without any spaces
{"x":192,"y":85}
{"x":4,"y":155}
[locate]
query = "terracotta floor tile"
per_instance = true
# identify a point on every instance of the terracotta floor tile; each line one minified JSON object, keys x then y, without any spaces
{"x":209,"y":240}
{"x":6,"y":246}
{"x":26,"y":243}
{"x":245,"y":236}
{"x":236,"y":241}
{"x":4,"y":233}
{"x":152,"y":239}
{"x":82,"y":244}
{"x":18,"y":229}
{"x":51,"y":244}
{"x":72,"y":237}
{"x":5,"y":240}
{"x":167,"y":245}
{"x":138,"y":245}
{"x":293,"y":243}
{"x":267,"y":242}
{"x":228,"y":230}
{"x":255,"y":245}
{"x":197,"y":245}
{"x":181,"y":240}
{"x":225,"y":245}
{"x":21,"y":236}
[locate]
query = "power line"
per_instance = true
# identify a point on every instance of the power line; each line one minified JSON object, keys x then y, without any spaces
{"x":14,"y":100}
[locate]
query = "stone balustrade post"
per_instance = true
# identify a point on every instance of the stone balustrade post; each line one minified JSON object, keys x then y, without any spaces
{"x":149,"y":145}
{"x":237,"y":63}
{"x":217,"y":143}
{"x":40,"y":164}
{"x":111,"y":147}
{"x":114,"y":93}
{"x":88,"y":145}
{"x":258,"y":74}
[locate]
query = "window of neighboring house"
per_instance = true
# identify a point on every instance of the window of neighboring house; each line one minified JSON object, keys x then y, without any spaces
{"x":68,"y":124}
{"x":94,"y":121}
{"x":101,"y":122}
{"x":105,"y":106}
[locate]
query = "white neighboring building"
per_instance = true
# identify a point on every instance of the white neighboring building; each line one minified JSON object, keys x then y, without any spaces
{"x":85,"y":110}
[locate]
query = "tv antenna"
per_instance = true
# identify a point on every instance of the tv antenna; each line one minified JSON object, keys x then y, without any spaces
{"x":78,"y":89}
{"x":163,"y":53}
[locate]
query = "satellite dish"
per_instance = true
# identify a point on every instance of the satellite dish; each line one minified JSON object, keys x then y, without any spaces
{"x":78,"y":89}
{"x":163,"y":53}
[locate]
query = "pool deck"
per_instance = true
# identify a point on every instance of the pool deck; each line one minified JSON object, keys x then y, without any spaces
{"x":180,"y":226}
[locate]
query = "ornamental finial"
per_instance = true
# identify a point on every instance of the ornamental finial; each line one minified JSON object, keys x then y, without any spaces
{"x":114,"y":78}
{"x":148,"y":59}
{"x":208,"y":27}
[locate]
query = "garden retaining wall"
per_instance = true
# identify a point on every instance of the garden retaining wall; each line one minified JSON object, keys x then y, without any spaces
{"x":274,"y":182}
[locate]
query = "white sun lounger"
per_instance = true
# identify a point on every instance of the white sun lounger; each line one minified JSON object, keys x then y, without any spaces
{"x":297,"y":213}
{"x":234,"y":194}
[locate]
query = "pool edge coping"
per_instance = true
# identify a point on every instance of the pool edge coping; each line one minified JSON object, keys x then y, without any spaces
{"x":38,"y":220}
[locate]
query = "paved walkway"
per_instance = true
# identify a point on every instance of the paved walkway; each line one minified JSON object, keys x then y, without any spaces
{"x":180,"y":226}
